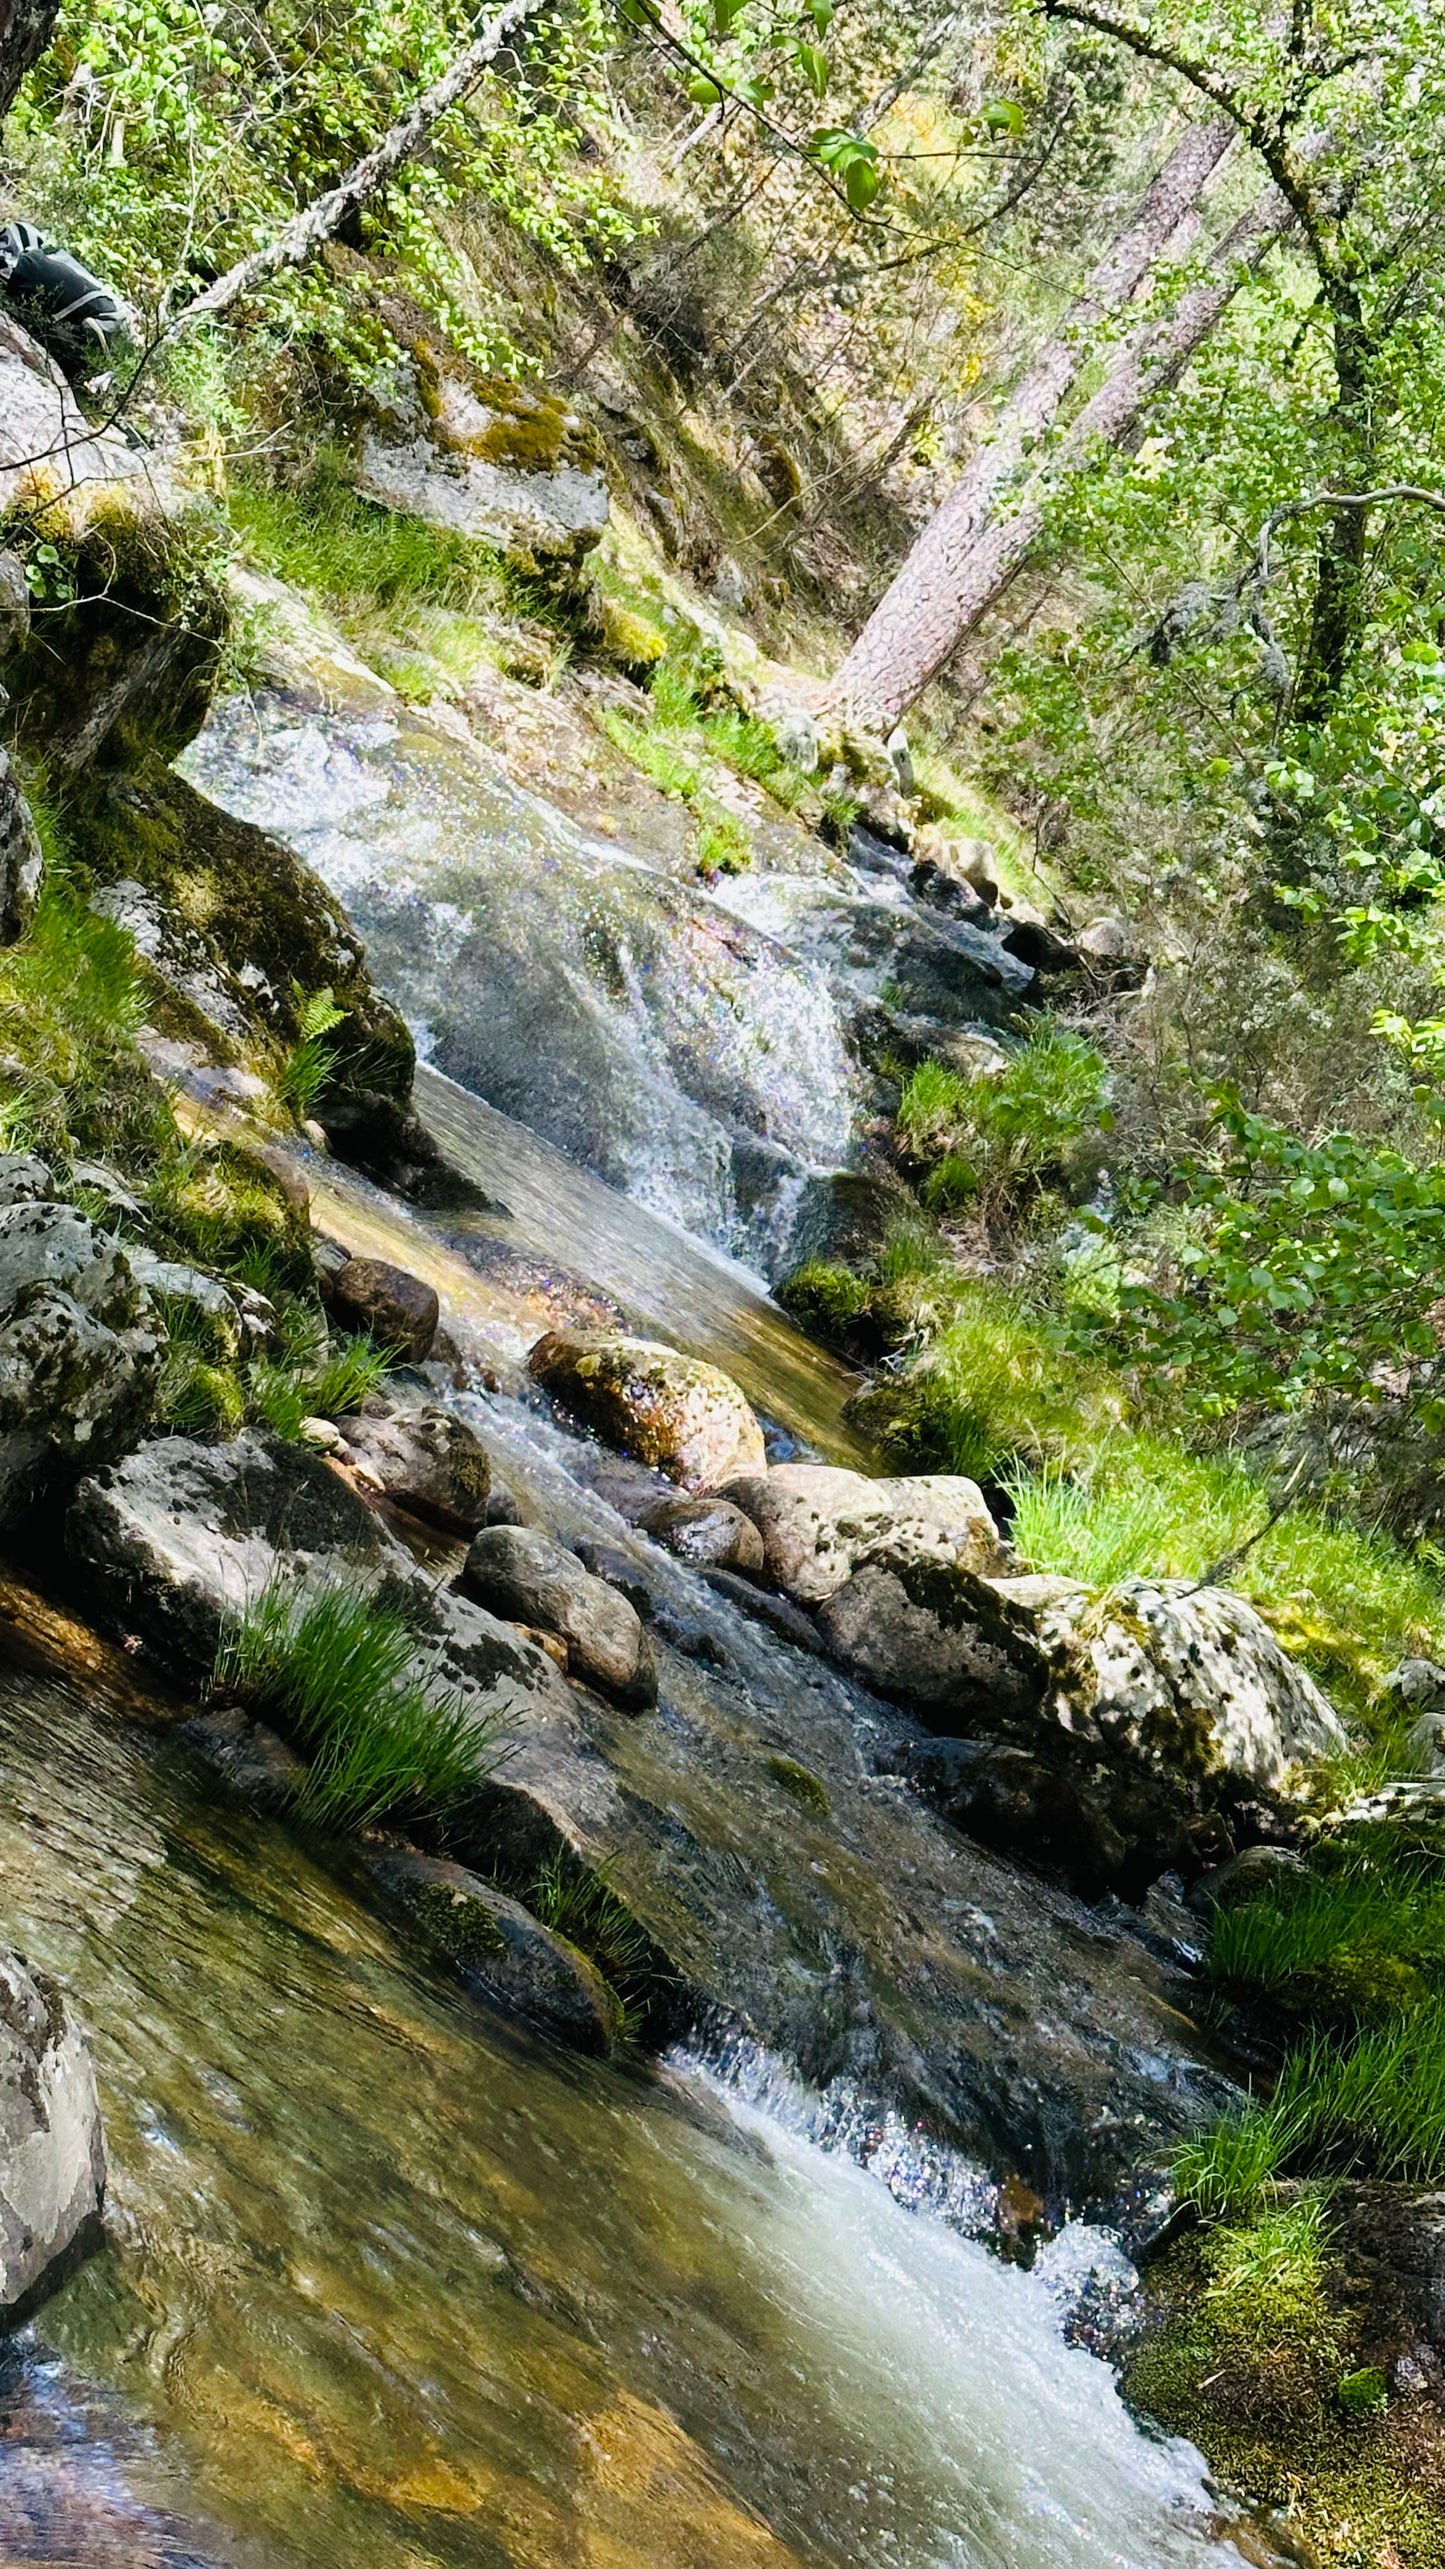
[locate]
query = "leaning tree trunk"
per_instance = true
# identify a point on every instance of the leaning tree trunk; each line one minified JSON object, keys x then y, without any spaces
{"x":914,"y":621}
{"x":26,"y":27}
{"x":945,"y":588}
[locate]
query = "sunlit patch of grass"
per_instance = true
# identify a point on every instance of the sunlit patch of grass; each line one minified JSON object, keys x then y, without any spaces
{"x":578,"y":1901}
{"x":995,"y":1388}
{"x":383,"y":1732}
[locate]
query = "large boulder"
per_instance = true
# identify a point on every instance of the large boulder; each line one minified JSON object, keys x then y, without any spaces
{"x":52,"y":2150}
{"x":425,"y":1460}
{"x":512,"y":1961}
{"x":520,"y":1573}
{"x":819,"y":1523}
{"x":238,"y":931}
{"x":681,"y":1416}
{"x":181,"y":1536}
{"x":512,"y":466}
{"x":1160,"y":1717}
{"x":80,"y":1349}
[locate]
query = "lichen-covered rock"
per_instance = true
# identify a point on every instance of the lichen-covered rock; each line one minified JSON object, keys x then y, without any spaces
{"x":520,"y":1573}
{"x":1161,"y":1714}
{"x":132,"y":661}
{"x":513,"y":1962}
{"x":710,"y":1533}
{"x":819,"y":1523}
{"x":52,"y":2149}
{"x":26,"y":1179}
{"x":397,"y":1309}
{"x":21,"y":856}
{"x":681,"y":1416}
{"x":80,"y":1349}
{"x":425,"y":1460}
{"x":513,"y":467}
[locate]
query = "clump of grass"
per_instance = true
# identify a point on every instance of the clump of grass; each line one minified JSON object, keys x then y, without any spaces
{"x":995,"y":1389}
{"x":1228,"y":2169}
{"x":1267,"y":2274}
{"x":723,"y":845}
{"x":656,"y":751}
{"x":385,"y":1735}
{"x":1348,"y":1601}
{"x":310,"y":1065}
{"x":1358,"y":1938}
{"x":72,"y":996}
{"x":578,"y":1901}
{"x":366,"y":563}
{"x":1001,"y":1136}
{"x":282,"y":1392}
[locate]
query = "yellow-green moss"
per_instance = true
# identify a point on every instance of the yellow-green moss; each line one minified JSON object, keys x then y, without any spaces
{"x":1263,"y":2389}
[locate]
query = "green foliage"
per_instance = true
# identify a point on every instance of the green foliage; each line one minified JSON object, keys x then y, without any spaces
{"x":310,"y":1066}
{"x":1227,"y":2170}
{"x":1364,"y":2392}
{"x":997,"y":1387}
{"x":281,"y":1394}
{"x":999,"y":1137}
{"x":385,"y":1736}
{"x":71,"y":998}
{"x":196,"y":134}
{"x":1313,"y":1266}
{"x":1266,"y":2275}
{"x":578,"y":1901}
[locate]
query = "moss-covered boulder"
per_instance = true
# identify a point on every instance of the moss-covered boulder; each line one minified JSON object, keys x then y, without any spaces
{"x":514,"y":467}
{"x":681,"y":1416}
{"x":238,"y":934}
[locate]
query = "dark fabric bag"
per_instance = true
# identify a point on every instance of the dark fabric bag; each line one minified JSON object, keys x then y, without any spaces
{"x":77,"y":320}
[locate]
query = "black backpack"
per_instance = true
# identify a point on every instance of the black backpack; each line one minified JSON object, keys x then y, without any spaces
{"x":79,"y":321}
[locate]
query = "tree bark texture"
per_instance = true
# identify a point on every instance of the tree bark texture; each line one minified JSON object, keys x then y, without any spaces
{"x":914,"y":628}
{"x":26,"y":27}
{"x":949,"y":588}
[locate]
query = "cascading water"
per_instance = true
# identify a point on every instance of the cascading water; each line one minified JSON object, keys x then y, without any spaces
{"x":388,"y":2285}
{"x":654,"y":1037}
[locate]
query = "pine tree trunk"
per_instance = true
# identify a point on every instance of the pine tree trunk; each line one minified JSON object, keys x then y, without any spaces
{"x":923,"y":616}
{"x":26,"y":27}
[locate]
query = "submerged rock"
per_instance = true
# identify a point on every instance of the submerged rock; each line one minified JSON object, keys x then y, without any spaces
{"x":398,"y":1310}
{"x":80,"y":1349}
{"x":819,"y":1523}
{"x":513,"y":1962}
{"x":1151,"y":1713}
{"x":425,"y":1460}
{"x":520,"y":1573}
{"x":683,"y":1417}
{"x":52,"y":2149}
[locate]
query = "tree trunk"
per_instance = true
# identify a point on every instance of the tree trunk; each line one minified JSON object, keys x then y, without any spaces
{"x":949,"y":581}
{"x":26,"y":27}
{"x":1340,"y":569}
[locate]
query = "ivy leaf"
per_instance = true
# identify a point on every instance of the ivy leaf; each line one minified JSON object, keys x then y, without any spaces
{"x":860,"y":184}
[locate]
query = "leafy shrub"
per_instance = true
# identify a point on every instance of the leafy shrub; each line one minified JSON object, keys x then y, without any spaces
{"x":1313,"y":1266}
{"x":384,"y":1734}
